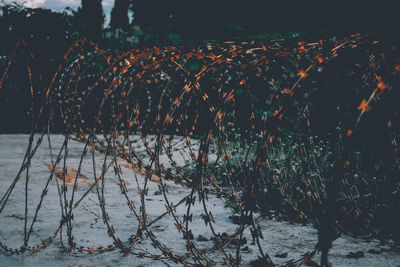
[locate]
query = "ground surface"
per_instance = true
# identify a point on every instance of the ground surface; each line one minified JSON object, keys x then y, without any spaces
{"x":89,"y":230}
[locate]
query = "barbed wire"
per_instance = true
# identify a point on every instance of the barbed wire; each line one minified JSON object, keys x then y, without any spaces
{"x":219,"y":98}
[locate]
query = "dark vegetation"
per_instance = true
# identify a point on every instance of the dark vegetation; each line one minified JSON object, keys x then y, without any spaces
{"x":49,"y":34}
{"x":305,"y":128}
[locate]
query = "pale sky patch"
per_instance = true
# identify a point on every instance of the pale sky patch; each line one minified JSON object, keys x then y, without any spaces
{"x":60,"y":5}
{"x":29,"y":3}
{"x":70,"y":2}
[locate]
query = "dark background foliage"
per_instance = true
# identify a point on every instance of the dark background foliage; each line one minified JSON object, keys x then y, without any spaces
{"x":142,"y":23}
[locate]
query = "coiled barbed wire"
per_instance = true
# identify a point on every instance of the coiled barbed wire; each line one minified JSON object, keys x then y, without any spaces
{"x":246,"y":113}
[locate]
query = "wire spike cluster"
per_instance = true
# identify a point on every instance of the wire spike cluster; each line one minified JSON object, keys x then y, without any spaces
{"x":245,"y":115}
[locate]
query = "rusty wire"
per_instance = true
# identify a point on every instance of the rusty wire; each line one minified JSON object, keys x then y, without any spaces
{"x":198,"y":93}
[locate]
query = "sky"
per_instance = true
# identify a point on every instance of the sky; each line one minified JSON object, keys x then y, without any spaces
{"x":59,"y":5}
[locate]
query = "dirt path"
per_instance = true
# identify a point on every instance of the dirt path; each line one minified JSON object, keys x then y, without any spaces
{"x":282,"y":240}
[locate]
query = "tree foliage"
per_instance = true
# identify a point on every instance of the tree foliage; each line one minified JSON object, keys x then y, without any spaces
{"x":119,"y":15}
{"x":92,"y":17}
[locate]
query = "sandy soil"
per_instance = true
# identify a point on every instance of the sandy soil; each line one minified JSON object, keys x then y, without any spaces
{"x":89,"y":230}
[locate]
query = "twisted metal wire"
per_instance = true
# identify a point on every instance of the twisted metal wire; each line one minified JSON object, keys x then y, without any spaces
{"x":211,"y":95}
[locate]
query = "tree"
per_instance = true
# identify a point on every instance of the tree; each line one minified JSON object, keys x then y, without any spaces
{"x":119,"y":15}
{"x":91,"y":17}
